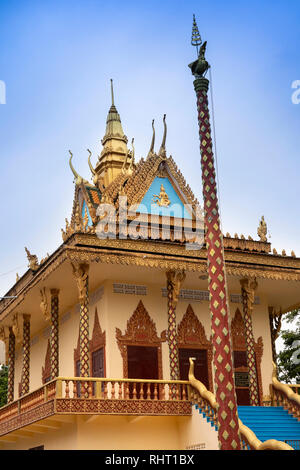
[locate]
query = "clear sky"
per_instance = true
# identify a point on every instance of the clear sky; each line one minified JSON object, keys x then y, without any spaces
{"x":56,"y":60}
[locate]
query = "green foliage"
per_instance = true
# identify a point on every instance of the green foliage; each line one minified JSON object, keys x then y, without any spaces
{"x":288,"y":360}
{"x":3,"y":385}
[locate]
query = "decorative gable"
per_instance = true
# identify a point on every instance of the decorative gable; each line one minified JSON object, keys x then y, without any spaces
{"x":162,"y":199}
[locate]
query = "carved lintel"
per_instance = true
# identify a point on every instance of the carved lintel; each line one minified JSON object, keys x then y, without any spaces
{"x":26,"y":317}
{"x":175,"y":278}
{"x":44,"y":304}
{"x":81,"y":272}
{"x":54,"y":292}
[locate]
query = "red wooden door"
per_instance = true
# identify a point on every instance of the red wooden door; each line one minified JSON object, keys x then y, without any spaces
{"x":241,"y":377}
{"x":142,"y":364}
{"x":201,"y":367}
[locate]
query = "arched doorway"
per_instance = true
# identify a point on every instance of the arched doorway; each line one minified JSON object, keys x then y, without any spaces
{"x":192,"y":342}
{"x":240,"y":360}
{"x":140,"y":347}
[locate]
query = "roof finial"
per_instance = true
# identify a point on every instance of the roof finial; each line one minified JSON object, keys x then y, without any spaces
{"x":112,"y":92}
{"x":196,"y":38}
{"x":162,"y":150}
{"x":151,"y":150}
{"x":78,"y":179}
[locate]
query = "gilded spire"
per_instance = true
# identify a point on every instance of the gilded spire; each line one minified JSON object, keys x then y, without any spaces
{"x":112,"y":92}
{"x":113,"y":122}
{"x":196,"y":38}
{"x":114,"y":152}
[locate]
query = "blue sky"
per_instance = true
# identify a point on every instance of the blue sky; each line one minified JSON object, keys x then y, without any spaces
{"x":56,"y":60}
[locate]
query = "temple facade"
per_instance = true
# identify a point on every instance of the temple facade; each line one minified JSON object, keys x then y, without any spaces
{"x":109,"y":339}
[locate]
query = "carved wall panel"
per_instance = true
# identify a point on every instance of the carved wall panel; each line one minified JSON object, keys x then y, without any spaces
{"x":191,"y":334}
{"x":140,"y":331}
{"x":239,"y":344}
{"x":97,"y":341}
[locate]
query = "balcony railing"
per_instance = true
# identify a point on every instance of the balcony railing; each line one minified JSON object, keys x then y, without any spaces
{"x":78,"y":395}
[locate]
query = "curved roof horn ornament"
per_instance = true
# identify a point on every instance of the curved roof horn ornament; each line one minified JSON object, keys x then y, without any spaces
{"x":78,"y":179}
{"x":162,"y":151}
{"x":151,"y":150}
{"x":95,"y":176}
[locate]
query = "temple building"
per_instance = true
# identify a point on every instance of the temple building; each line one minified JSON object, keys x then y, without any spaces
{"x":111,"y":340}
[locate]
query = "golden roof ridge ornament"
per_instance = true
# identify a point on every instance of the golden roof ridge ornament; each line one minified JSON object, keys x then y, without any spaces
{"x":262,"y":230}
{"x":162,"y":151}
{"x":78,"y":179}
{"x":151,"y":150}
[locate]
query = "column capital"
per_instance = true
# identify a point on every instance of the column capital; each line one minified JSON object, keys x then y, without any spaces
{"x":81,"y":272}
{"x":175,"y":278}
{"x":26,"y":317}
{"x":54,"y":292}
{"x":249,"y":287}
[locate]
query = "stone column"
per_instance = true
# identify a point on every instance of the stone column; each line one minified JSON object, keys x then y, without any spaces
{"x":26,"y":355}
{"x":248,"y":291}
{"x":54,"y":338}
{"x":81,"y":271}
{"x":174,"y":281}
{"x":11,"y":366}
{"x":228,"y":426}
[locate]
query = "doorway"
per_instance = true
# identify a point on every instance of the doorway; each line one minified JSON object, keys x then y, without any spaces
{"x":142,"y":364}
{"x":200,"y":364}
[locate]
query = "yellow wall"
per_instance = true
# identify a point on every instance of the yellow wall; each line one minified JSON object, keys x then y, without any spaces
{"x":114,"y":310}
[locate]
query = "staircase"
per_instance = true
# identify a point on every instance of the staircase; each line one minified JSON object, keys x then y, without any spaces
{"x":271,"y":422}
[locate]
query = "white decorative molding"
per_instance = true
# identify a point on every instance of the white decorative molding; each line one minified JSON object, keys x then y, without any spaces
{"x":129,"y":289}
{"x":189,"y":294}
{"x":237,"y":299}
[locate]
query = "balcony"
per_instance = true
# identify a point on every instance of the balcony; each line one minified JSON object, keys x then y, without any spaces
{"x":93,"y":396}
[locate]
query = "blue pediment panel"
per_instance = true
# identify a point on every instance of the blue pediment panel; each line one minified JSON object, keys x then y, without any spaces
{"x":162,"y":199}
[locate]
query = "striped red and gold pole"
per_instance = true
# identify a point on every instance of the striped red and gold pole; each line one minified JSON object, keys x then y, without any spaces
{"x":228,"y":427}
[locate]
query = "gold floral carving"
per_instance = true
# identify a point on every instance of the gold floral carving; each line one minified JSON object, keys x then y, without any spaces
{"x":44,"y":304}
{"x":176,"y":278}
{"x":191,"y":334}
{"x":81,"y":272}
{"x":239,"y":344}
{"x":249,"y":286}
{"x":140,"y":331}
{"x":16,"y":328}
